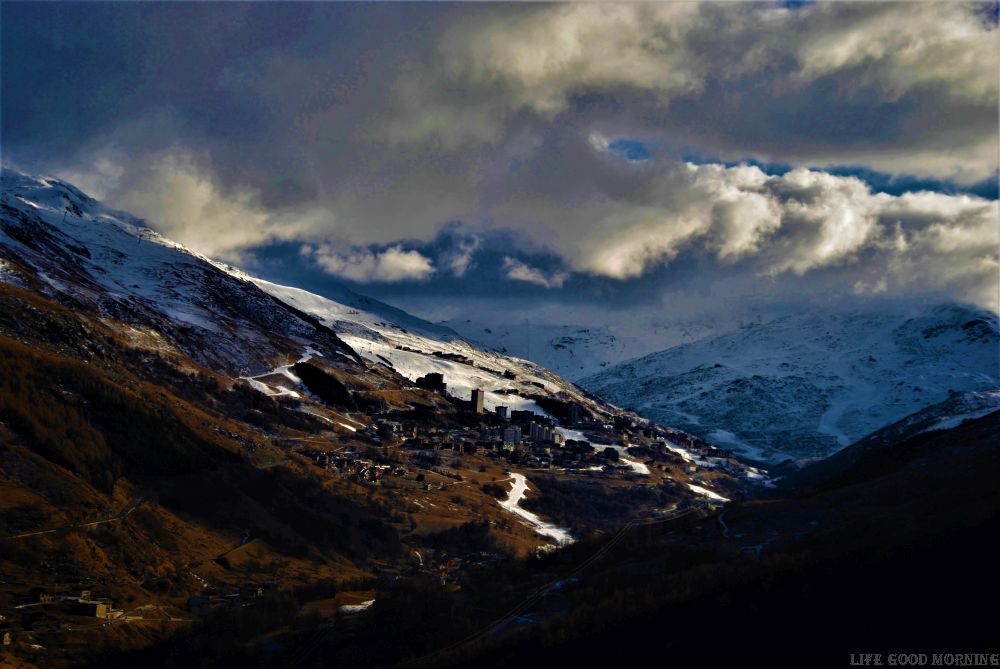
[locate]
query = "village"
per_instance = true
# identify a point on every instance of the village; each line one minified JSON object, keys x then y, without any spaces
{"x":39,"y":608}
{"x":412,"y":453}
{"x":403,"y":444}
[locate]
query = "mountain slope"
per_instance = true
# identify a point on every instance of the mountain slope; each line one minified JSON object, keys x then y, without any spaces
{"x":878,"y":559}
{"x":177,"y":436}
{"x":803,"y":386}
{"x":58,"y":241}
{"x":577,"y":351}
{"x":955,"y":411}
{"x":167,"y":301}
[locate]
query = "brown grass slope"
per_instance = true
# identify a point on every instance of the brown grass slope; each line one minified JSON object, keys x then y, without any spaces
{"x":890,"y":559}
{"x":91,"y":425}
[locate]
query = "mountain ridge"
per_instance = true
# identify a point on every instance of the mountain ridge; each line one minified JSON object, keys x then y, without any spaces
{"x":124,"y":268}
{"x":805,"y":385}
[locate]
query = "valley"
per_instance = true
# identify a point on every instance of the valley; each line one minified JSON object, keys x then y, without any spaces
{"x":493,"y":335}
{"x":182,"y":442}
{"x":200,"y":465}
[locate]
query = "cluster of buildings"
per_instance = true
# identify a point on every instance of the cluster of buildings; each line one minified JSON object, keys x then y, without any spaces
{"x":514,"y":435}
{"x":519,"y":437}
{"x":202,"y":604}
{"x":41,"y":609}
{"x":350,"y":465}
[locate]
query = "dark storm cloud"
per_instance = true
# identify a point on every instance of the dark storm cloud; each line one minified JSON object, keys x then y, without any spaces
{"x":262,"y":94}
{"x":344,"y":137}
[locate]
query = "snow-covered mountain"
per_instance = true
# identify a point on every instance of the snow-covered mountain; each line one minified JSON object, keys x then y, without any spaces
{"x":805,"y":385}
{"x":413,"y":347}
{"x":577,"y":351}
{"x":956,"y":410}
{"x":58,"y":241}
{"x":800,"y":386}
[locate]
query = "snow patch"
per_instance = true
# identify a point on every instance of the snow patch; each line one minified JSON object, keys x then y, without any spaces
{"x":637,"y":467}
{"x":354,"y":609}
{"x":191,"y":319}
{"x":514,"y":497}
{"x":707,"y":493}
{"x":984,"y":403}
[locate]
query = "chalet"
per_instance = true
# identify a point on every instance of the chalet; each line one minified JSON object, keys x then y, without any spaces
{"x":376,"y":472}
{"x":94,"y":609}
{"x":432,"y":381}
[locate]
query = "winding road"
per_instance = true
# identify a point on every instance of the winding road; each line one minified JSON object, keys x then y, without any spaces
{"x":126,"y":510}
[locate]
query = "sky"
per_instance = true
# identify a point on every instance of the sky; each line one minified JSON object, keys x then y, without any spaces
{"x":571,"y":163}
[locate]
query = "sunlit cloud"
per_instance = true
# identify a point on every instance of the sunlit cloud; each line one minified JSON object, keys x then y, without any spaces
{"x":389,"y":265}
{"x":517,"y":270}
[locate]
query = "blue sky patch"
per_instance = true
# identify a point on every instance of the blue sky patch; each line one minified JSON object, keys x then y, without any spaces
{"x":630,"y":149}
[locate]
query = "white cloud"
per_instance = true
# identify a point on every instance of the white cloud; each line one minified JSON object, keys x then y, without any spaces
{"x":945,"y":243}
{"x":98,"y":179}
{"x":538,"y":59}
{"x":827,"y":219}
{"x":798,"y":222}
{"x":903,"y":46}
{"x":620,"y":221}
{"x":183,"y":202}
{"x":741,"y":215}
{"x":506,"y":117}
{"x":598,"y":142}
{"x":862,"y":287}
{"x":517,"y":270}
{"x":493,"y":66}
{"x":365,"y":265}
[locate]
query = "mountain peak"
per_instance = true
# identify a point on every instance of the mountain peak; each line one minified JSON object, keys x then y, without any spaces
{"x":804,"y":385}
